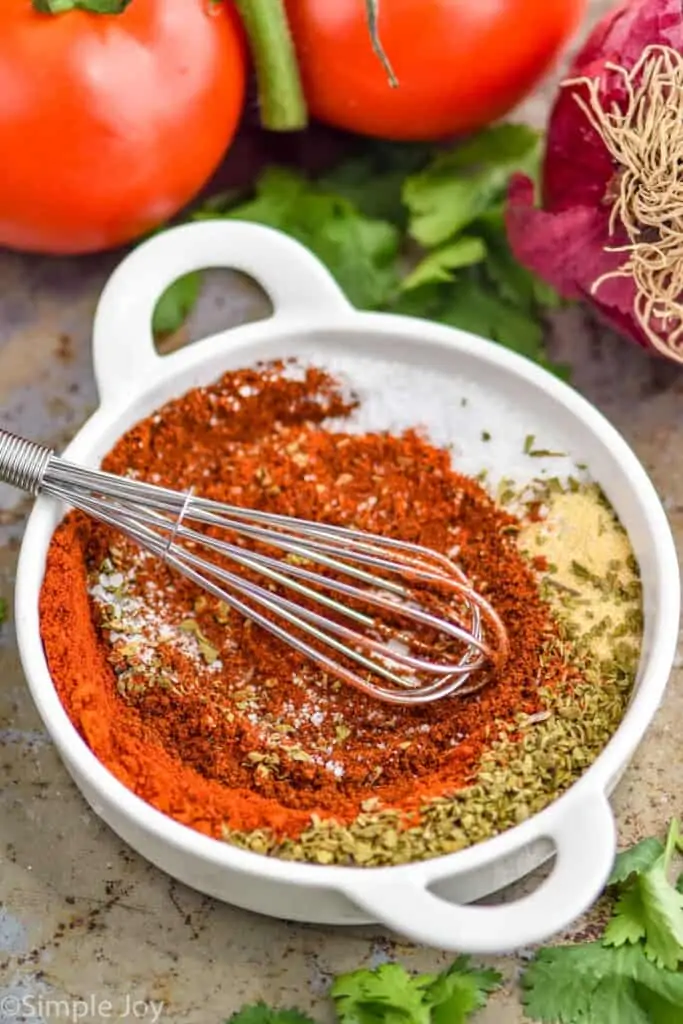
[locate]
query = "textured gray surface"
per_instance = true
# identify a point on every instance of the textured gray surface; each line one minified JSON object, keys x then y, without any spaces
{"x":81,"y":916}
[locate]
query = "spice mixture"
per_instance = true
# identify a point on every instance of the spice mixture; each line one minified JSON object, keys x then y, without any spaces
{"x":223,"y":727}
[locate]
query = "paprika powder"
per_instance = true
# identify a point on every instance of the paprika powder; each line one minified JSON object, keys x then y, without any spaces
{"x":222,"y":726}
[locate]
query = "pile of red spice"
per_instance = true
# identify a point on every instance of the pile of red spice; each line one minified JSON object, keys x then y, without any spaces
{"x":214,"y":721}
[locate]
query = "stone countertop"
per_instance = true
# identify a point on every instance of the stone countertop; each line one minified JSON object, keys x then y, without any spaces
{"x":81,"y":915}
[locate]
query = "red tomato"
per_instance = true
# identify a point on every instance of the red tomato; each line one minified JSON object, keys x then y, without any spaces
{"x":109,"y":124}
{"x":460,"y":63}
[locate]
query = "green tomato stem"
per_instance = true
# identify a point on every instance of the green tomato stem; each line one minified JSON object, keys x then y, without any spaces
{"x":281,"y":95}
{"x":372,"y":9}
{"x":94,"y":6}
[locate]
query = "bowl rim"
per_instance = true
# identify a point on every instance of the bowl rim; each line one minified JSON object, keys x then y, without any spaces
{"x":598,"y":777}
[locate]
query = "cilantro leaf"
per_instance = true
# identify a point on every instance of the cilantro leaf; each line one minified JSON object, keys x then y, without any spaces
{"x":662,"y":1011}
{"x":594,"y":984}
{"x":359,"y":251}
{"x":474,"y":306}
{"x":615,"y":1001}
{"x":653,"y":911}
{"x":628,"y":922}
{"x":464,"y":189}
{"x":651,"y":908}
{"x":260,"y":1013}
{"x":514,"y":282}
{"x":440,"y":264}
{"x":372,"y":179}
{"x":461,"y":991}
{"x":503,"y":145}
{"x":461,"y":184}
{"x":3,"y":610}
{"x":426,"y":300}
{"x":636,"y":859}
{"x":386,"y":995}
{"x":176,"y":304}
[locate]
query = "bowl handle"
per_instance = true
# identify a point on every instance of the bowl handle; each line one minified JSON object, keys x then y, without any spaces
{"x":584,"y":837}
{"x":123,"y":344}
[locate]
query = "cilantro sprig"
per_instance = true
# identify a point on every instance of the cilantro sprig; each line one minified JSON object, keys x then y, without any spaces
{"x":390,"y":994}
{"x":649,"y":907}
{"x":407,"y":228}
{"x":631,"y":975}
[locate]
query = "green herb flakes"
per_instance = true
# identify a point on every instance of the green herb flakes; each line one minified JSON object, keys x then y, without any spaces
{"x":206,"y":649}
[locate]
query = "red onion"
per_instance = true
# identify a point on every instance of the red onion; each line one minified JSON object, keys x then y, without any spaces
{"x":610,"y":229}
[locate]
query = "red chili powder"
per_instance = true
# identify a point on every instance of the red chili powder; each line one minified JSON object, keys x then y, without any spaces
{"x":214,"y":721}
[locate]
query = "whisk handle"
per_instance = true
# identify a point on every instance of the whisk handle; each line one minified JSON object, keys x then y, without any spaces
{"x":23,"y":463}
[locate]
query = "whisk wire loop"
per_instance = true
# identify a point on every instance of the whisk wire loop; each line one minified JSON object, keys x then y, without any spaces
{"x":403,"y":606}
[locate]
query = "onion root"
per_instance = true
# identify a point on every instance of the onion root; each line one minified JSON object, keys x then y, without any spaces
{"x":644,"y":137}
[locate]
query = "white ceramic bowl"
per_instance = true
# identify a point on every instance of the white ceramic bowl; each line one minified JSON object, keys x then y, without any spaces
{"x":427,"y":902}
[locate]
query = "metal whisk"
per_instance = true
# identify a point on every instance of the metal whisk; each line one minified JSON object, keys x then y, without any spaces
{"x":404,"y":624}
